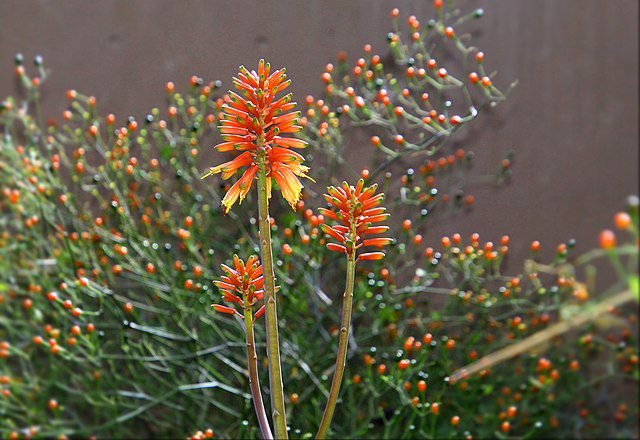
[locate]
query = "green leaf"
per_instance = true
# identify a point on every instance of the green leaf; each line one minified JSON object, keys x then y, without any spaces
{"x":634,"y":285}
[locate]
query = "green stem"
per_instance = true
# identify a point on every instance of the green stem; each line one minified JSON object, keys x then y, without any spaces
{"x":271,"y":313}
{"x":341,"y":358}
{"x":254,"y":381}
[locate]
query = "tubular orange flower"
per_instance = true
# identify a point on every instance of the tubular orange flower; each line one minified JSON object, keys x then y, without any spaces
{"x":356,"y":209}
{"x":256,"y":121}
{"x":242,"y":285}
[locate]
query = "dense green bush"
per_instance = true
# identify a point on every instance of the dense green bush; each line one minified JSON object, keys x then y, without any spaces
{"x":110,"y":241}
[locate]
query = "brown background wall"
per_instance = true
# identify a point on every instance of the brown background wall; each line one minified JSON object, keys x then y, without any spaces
{"x":572,"y":120}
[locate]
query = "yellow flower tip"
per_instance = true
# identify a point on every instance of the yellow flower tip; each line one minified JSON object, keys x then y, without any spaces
{"x":226,"y":206}
{"x":207,"y":174}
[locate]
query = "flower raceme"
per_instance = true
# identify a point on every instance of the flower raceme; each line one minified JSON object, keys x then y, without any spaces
{"x":253,"y":124}
{"x":356,"y":210}
{"x":242,"y":285}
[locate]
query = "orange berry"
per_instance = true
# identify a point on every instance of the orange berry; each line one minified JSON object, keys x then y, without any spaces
{"x":607,"y":239}
{"x":408,"y":343}
{"x":406,"y":224}
{"x":128,"y":307}
{"x":455,"y":420}
{"x":404,"y":364}
{"x":422,"y":386}
{"x":622,"y":220}
{"x":435,"y":408}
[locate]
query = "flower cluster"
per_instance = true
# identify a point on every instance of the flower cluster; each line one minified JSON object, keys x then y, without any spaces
{"x":356,"y":208}
{"x":242,"y":285}
{"x":254,"y":124}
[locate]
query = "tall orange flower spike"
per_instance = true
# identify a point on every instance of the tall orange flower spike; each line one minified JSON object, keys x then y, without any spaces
{"x":356,"y":208}
{"x":242,"y":286}
{"x":257,"y":120}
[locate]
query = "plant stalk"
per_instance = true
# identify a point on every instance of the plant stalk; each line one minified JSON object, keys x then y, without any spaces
{"x":271,"y":313}
{"x":254,"y":381}
{"x":341,"y":358}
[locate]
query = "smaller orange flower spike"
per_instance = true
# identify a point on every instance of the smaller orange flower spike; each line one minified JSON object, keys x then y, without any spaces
{"x":356,"y":208}
{"x":242,"y":285}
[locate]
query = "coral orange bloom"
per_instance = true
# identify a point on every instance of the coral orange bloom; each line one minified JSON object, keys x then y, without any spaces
{"x":356,"y":210}
{"x":255,"y":120}
{"x":242,"y":285}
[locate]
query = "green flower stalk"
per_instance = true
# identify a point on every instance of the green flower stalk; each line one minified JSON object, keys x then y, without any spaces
{"x":254,"y":124}
{"x":355,"y":209}
{"x":243,"y":285}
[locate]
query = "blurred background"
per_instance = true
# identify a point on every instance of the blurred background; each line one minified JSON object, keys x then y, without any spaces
{"x":572,"y":120}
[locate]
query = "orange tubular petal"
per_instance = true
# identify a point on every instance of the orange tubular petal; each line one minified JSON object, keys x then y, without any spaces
{"x":376,"y":230}
{"x":289,"y":142}
{"x":224,"y":309}
{"x":230,"y":297}
{"x":328,"y":213}
{"x":246,"y":181}
{"x":374,"y":201}
{"x":336,"y":248}
{"x":371,"y":256}
{"x":378,"y":242}
{"x":289,"y":118}
{"x":225,"y":146}
{"x":283,"y":154}
{"x":259,"y":313}
{"x":224,"y":286}
{"x":231,"y":197}
{"x":229,"y":270}
{"x":290,"y":186}
{"x":374,"y":211}
{"x":228,"y":169}
{"x":333,"y":233}
{"x":333,"y":191}
{"x":376,"y":218}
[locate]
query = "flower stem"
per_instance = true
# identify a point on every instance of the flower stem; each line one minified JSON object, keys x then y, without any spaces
{"x":271,"y":313}
{"x":254,"y":381}
{"x":347,"y":303}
